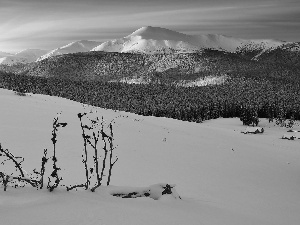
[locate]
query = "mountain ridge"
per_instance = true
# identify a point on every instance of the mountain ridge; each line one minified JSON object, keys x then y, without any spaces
{"x":73,"y":47}
{"x":140,"y":57}
{"x":4,"y":54}
{"x":23,"y":57}
{"x":151,"y":40}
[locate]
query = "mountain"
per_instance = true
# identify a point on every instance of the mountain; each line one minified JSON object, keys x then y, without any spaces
{"x":287,"y":54}
{"x":150,"y":40}
{"x":114,"y":66}
{"x":131,"y":58}
{"x":25,"y":56}
{"x":4,"y":54}
{"x":76,"y":46}
{"x":160,"y":40}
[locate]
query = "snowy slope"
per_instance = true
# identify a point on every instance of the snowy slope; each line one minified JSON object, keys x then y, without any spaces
{"x":155,"y":39}
{"x":25,"y":56}
{"x":224,"y":177}
{"x":76,"y":46}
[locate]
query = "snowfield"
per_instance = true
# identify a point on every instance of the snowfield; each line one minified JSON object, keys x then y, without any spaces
{"x":224,"y":177}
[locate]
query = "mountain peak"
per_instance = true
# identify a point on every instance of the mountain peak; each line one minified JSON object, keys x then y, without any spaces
{"x":149,"y":40}
{"x":158,"y":33}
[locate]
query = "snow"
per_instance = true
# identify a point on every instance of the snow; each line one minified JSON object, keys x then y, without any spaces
{"x":207,"y":80}
{"x":73,"y":47}
{"x":4,"y":54}
{"x":155,"y":39}
{"x":153,"y":191}
{"x":223,"y":176}
{"x":291,"y":136}
{"x":25,"y":56}
{"x":253,"y":130}
{"x":202,"y":81}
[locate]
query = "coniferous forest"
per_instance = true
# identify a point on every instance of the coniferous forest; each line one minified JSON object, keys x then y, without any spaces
{"x":237,"y":97}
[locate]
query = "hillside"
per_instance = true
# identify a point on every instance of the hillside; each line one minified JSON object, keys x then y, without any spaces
{"x":112,"y":66}
{"x":287,"y":54}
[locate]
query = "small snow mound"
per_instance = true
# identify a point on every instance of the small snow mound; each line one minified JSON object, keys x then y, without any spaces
{"x":253,"y":130}
{"x":291,"y":136}
{"x":293,"y":131}
{"x":155,"y":191}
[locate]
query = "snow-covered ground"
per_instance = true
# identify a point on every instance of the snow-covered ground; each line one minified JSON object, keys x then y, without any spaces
{"x":223,"y":176}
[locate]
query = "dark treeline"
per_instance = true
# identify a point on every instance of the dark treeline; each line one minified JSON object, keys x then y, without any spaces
{"x":235,"y":98}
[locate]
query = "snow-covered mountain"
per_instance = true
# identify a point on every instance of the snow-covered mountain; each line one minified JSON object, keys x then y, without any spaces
{"x":74,"y":47}
{"x":155,"y":39}
{"x":25,"y":56}
{"x":4,"y":54}
{"x":149,"y":40}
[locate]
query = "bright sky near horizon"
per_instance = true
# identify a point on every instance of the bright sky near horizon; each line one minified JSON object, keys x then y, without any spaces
{"x":48,"y":24}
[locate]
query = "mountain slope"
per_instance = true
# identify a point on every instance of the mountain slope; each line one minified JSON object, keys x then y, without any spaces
{"x":25,"y":56}
{"x":4,"y":54}
{"x":287,"y":54}
{"x":157,"y":40}
{"x":114,"y":66}
{"x":76,"y":46}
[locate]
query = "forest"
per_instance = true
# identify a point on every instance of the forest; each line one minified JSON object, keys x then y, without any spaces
{"x":238,"y":97}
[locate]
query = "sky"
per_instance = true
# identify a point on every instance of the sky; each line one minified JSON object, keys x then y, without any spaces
{"x":48,"y":24}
